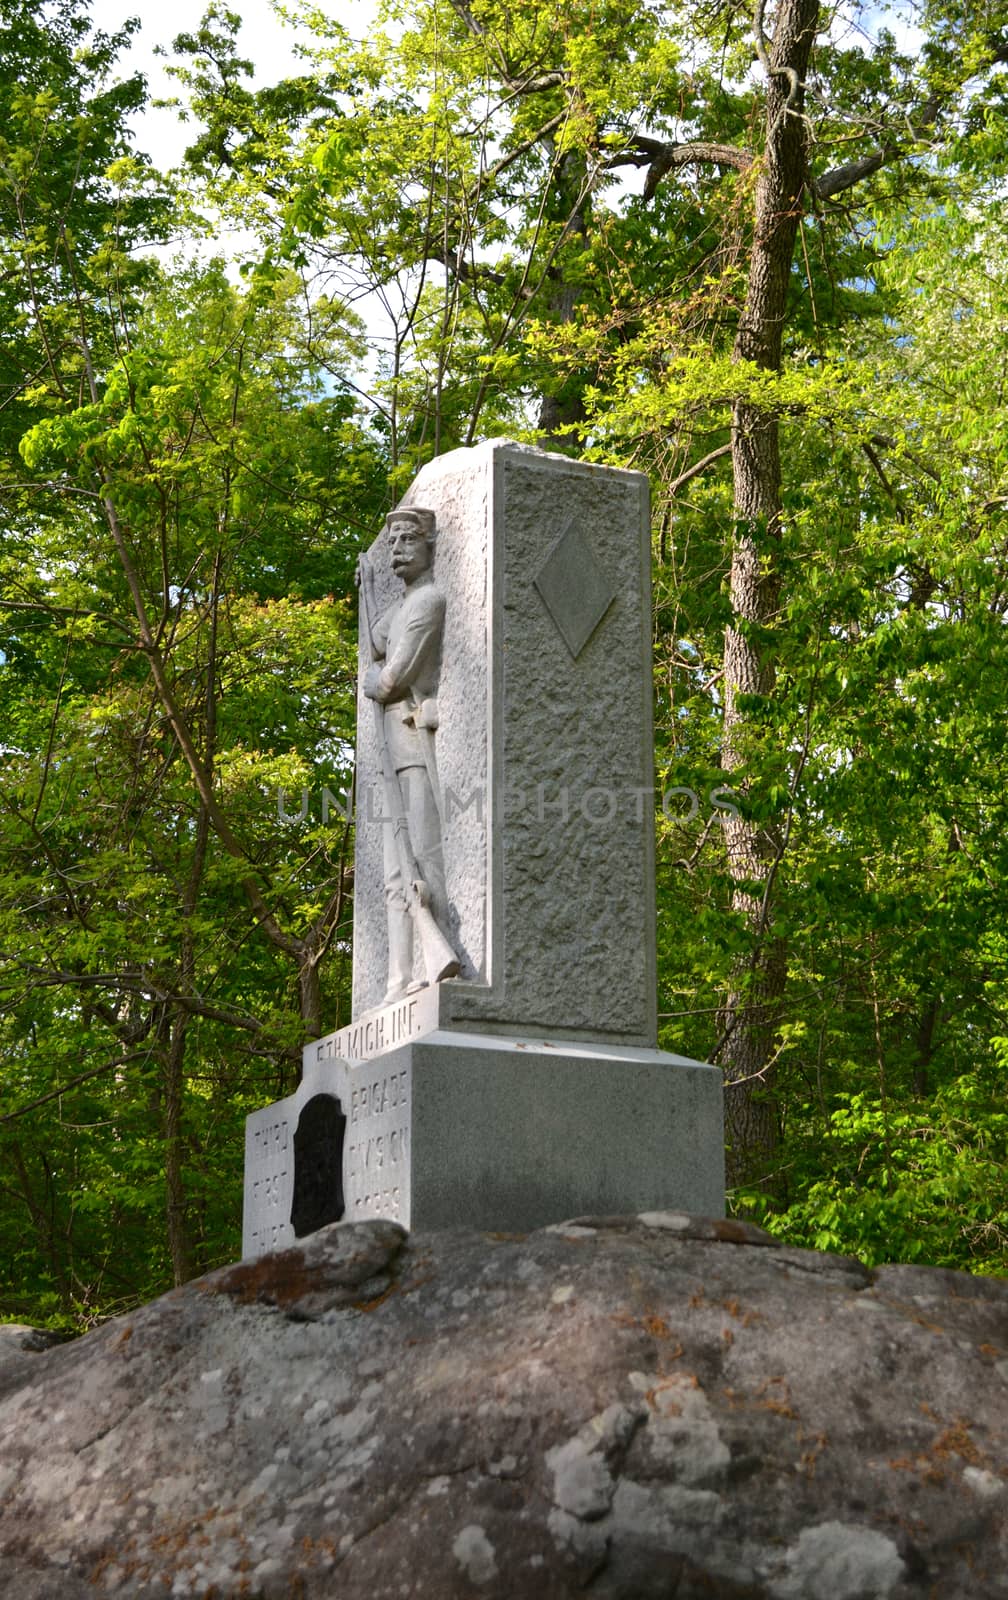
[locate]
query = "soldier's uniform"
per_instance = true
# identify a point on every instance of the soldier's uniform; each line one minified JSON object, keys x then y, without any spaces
{"x":408,"y":636}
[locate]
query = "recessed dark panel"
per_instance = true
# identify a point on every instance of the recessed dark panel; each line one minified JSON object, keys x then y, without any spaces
{"x":318,"y":1165}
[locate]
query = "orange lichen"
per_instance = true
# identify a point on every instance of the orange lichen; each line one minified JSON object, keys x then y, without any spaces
{"x":778,"y":1403}
{"x":656,"y":1326}
{"x":808,"y":1458}
{"x":954,"y":1441}
{"x":379,"y":1299}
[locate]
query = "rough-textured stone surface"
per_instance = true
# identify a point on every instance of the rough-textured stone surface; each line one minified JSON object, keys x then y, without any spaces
{"x":337,"y":1266}
{"x":573,"y":892}
{"x":18,"y":1344}
{"x":635,"y":1409}
{"x":545,"y":757}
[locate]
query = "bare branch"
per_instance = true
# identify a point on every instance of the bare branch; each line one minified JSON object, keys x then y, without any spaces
{"x":142,"y":984}
{"x":663,"y":157}
{"x":853,"y":172}
{"x":700,"y":466}
{"x":535,"y":83}
{"x":73,"y":1083}
{"x":63,"y":611}
{"x":520,"y":149}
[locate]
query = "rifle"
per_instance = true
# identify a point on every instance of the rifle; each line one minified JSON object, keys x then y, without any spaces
{"x":440,"y":960}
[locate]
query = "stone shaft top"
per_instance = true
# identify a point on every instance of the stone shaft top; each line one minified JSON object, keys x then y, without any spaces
{"x":544,"y":749}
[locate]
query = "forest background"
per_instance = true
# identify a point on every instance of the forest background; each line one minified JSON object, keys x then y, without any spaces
{"x":761,"y":256}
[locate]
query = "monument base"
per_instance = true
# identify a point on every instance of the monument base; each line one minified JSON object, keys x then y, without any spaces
{"x":468,"y":1130}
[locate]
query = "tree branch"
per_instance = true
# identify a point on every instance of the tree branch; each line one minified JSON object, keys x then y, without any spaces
{"x":73,"y":1083}
{"x":883,"y":441}
{"x":853,"y":172}
{"x":138,"y":984}
{"x":69,"y":611}
{"x":534,"y":84}
{"x":700,"y":466}
{"x":520,"y":149}
{"x":663,"y":157}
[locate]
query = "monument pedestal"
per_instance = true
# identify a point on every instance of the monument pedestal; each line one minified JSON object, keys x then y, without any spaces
{"x":517,"y":1133}
{"x":457,"y":1129}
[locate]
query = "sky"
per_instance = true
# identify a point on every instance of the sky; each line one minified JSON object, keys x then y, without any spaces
{"x":265,"y":39}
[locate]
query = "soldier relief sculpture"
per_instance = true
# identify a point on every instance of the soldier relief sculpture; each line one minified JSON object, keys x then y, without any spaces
{"x":404,"y":644}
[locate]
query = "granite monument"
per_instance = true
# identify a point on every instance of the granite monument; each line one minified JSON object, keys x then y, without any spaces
{"x":500,"y":1068}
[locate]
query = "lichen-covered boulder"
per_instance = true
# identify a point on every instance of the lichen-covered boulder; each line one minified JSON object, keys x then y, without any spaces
{"x":636,"y":1408}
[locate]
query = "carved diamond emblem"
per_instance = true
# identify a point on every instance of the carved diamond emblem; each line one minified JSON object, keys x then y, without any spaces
{"x":574,"y":589}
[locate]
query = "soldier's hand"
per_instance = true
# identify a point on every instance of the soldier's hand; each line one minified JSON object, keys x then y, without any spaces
{"x":371,"y":677}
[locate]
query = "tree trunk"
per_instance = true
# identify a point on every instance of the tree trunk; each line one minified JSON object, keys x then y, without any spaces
{"x":561,"y":408}
{"x":310,"y":994}
{"x":180,"y":1246}
{"x":44,"y":1222}
{"x":747,"y":1021}
{"x":925,"y":1049}
{"x":179,"y":1236}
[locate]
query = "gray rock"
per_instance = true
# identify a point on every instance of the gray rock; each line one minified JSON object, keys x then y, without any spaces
{"x":645,"y":1408}
{"x":19,"y":1336}
{"x":337,"y":1266}
{"x":19,"y":1345}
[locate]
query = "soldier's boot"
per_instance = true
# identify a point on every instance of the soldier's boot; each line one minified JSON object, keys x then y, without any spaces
{"x":400,"y":943}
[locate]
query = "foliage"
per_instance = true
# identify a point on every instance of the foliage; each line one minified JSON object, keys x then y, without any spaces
{"x":185,"y":497}
{"x":550,"y":219}
{"x":923,"y":1184}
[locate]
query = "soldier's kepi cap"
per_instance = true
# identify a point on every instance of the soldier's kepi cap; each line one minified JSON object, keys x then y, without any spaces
{"x":424,"y":521}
